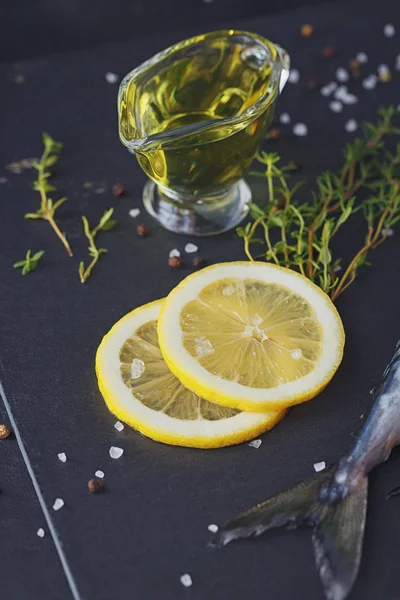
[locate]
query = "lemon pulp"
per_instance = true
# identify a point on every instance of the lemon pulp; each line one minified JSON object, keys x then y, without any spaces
{"x":255,"y":333}
{"x":144,"y":371}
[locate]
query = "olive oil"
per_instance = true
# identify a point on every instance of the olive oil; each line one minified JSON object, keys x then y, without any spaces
{"x":195,"y":116}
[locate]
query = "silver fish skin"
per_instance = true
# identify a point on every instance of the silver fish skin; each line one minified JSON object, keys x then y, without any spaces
{"x":334,"y":502}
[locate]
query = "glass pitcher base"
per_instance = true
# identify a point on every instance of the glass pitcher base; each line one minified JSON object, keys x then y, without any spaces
{"x":200,"y":217}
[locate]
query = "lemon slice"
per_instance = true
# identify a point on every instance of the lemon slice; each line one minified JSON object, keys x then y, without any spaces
{"x":139,"y":389}
{"x":251,"y":336}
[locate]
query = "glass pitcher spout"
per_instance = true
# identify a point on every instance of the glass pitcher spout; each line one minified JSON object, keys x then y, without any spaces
{"x":195,"y":115}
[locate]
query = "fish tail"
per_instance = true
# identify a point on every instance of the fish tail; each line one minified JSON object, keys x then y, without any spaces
{"x":336,"y":515}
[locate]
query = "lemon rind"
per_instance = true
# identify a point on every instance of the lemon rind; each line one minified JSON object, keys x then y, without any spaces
{"x":234,"y":395}
{"x":180,"y":433}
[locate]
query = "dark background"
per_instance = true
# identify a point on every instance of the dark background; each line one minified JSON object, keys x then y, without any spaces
{"x":38,"y":27}
{"x":150,"y":524}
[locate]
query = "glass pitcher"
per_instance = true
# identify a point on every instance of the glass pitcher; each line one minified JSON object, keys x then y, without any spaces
{"x":195,"y":115}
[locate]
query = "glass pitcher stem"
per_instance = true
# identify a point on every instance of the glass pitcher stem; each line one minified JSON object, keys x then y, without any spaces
{"x":202,"y":216}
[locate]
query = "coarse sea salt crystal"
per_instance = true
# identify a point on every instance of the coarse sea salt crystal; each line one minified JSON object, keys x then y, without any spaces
{"x":383,"y":69}
{"x":174,"y":252}
{"x":344,"y":96}
{"x":327,"y":89}
{"x":296,"y":354}
{"x":58,"y":503}
{"x":370,"y":82}
{"x":116,"y":452}
{"x":189,"y":248}
{"x":255,"y":444}
{"x":294,"y":76}
{"x":284,"y":118}
{"x":337,"y":268}
{"x":228,"y":290}
{"x":300,"y":129}
{"x":388,"y":232}
{"x":389,"y":30}
{"x":257,"y":320}
{"x":204,"y":347}
{"x":111,"y":77}
{"x":213,"y":528}
{"x":336,"y":106}
{"x":134,"y":212}
{"x":351,"y":125}
{"x":40,"y":532}
{"x":349,"y":99}
{"x":119,"y":426}
{"x":362,"y":58}
{"x":342,"y":74}
{"x":62,"y":456}
{"x":186,"y":580}
{"x":137,"y":368}
{"x":319,"y":466}
{"x":99,"y":474}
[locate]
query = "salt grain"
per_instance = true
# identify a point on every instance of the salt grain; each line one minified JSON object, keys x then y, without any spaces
{"x":116,"y":452}
{"x":387,"y":232}
{"x":228,"y":290}
{"x":255,"y":444}
{"x":382,"y":69}
{"x":397,"y":63}
{"x":329,"y":88}
{"x":296,"y":354}
{"x":204,"y":347}
{"x":62,"y":456}
{"x":336,"y":106}
{"x":300,"y":129}
{"x":294,"y":76}
{"x":213,"y":528}
{"x":189,"y":248}
{"x":337,"y":268}
{"x":59,"y":503}
{"x":370,"y":82}
{"x":257,"y":320}
{"x":344,"y":96}
{"x":134,"y":212}
{"x":342,"y":74}
{"x":319,"y":466}
{"x":137,"y":368}
{"x":362,"y":58}
{"x":389,"y":30}
{"x":111,"y":77}
{"x":284,"y":118}
{"x":99,"y":474}
{"x":174,"y":252}
{"x":40,"y":532}
{"x":186,"y":580}
{"x":119,"y":426}
{"x":351,"y":125}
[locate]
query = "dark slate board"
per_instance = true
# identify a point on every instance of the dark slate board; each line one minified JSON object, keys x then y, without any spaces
{"x":150,"y":524}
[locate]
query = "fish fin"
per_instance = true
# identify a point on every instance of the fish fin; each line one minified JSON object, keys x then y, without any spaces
{"x":337,"y":538}
{"x":288,"y":509}
{"x":338,"y":527}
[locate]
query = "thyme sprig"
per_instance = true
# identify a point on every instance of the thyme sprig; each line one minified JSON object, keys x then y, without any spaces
{"x":29,"y":263}
{"x":299,"y":234}
{"x":47,"y":208}
{"x":105,"y":224}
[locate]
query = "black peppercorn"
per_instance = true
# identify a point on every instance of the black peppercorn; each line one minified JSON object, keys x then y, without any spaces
{"x":175,"y":262}
{"x":142,"y":231}
{"x":95,"y":485}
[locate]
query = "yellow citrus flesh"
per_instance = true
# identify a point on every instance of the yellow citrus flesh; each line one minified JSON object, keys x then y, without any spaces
{"x":251,"y":336}
{"x":140,"y":390}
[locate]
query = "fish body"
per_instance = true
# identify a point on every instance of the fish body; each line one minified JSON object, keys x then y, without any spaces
{"x":334,"y":502}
